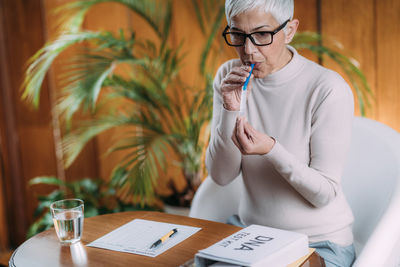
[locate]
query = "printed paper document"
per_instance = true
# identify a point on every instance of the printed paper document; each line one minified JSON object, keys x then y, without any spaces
{"x":138,"y":235}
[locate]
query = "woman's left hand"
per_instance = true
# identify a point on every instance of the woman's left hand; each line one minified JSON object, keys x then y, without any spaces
{"x":250,"y":141}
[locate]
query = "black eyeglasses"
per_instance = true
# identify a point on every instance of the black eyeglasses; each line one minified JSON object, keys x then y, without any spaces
{"x":257,"y":38}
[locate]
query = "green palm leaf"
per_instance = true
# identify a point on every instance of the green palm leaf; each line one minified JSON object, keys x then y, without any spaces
{"x":41,"y":61}
{"x":211,"y":38}
{"x":74,"y":142}
{"x":140,"y":168}
{"x":50,"y":180}
{"x":209,"y":17}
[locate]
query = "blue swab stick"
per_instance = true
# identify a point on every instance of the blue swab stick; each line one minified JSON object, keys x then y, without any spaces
{"x":244,"y":92}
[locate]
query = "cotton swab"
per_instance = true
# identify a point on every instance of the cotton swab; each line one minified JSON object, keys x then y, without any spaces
{"x":243,"y":96}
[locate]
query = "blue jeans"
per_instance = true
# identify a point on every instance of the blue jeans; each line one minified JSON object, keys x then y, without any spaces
{"x":335,"y":255}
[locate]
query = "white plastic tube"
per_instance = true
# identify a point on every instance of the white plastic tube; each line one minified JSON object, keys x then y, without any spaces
{"x":243,"y":96}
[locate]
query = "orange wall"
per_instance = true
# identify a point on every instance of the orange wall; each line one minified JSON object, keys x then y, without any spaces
{"x":370,"y":32}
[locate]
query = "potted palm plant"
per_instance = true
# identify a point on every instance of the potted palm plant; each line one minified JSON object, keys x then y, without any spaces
{"x":161,"y":117}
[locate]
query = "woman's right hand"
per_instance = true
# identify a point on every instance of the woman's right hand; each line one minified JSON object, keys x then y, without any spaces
{"x":231,"y":87}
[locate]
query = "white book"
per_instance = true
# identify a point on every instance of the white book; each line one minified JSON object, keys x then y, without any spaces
{"x":256,"y":246}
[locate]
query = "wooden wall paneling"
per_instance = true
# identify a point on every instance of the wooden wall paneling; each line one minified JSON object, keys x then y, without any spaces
{"x":15,"y":45}
{"x":4,"y":238}
{"x":86,"y":164}
{"x":352,"y":23}
{"x":388,"y":61}
{"x":306,"y":11}
{"x":34,"y":126}
{"x":5,"y":169}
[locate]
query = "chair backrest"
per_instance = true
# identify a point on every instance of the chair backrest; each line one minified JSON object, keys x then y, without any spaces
{"x":216,"y":203}
{"x":371,"y":183}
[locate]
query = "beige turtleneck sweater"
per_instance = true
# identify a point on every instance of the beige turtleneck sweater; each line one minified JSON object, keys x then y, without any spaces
{"x":308,"y":110}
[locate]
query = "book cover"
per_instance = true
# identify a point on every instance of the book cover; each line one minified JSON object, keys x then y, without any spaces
{"x":256,"y":246}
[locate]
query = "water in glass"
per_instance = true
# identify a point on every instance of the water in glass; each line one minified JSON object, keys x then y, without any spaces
{"x":69,"y":225}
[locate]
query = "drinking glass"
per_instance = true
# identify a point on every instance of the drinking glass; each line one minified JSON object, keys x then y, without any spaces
{"x":68,"y":219}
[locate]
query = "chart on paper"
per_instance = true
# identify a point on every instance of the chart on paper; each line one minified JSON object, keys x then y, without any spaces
{"x":139,"y":235}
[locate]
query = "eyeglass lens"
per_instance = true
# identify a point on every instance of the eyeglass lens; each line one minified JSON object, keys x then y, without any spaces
{"x":258,"y":38}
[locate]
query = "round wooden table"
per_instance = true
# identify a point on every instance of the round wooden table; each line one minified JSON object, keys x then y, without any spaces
{"x":44,"y":249}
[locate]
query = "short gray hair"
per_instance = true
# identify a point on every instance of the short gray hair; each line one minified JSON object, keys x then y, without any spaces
{"x":281,"y":10}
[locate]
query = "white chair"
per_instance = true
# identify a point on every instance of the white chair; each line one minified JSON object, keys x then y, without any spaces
{"x":214,"y":202}
{"x":371,"y":183}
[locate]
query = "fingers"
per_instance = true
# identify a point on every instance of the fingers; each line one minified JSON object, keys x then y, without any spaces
{"x":249,"y":130}
{"x":235,"y":138}
{"x":236,"y":78}
{"x":249,"y":141}
{"x":248,"y":134}
{"x":245,"y":137}
{"x":239,"y":137}
{"x":231,"y":86}
{"x":236,"y":142}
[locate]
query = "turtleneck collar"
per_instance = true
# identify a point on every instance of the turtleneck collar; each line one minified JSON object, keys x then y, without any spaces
{"x":286,"y":73}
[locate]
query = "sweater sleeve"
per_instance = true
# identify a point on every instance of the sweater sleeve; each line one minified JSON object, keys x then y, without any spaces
{"x":223,"y":158}
{"x":331,"y":125}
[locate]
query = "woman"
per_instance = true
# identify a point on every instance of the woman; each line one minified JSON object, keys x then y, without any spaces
{"x":292,"y":143}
